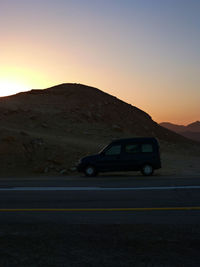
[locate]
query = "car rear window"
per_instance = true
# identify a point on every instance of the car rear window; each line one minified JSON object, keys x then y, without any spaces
{"x":147,"y":148}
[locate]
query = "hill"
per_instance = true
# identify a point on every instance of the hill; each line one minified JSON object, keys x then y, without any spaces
{"x":191,"y":130}
{"x":46,"y":131}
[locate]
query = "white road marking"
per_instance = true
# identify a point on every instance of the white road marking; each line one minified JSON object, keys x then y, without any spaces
{"x":98,"y":188}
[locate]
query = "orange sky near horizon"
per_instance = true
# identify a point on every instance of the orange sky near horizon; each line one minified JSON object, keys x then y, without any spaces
{"x":145,"y":54}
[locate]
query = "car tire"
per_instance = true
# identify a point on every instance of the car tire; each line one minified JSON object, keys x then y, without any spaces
{"x":147,"y":170}
{"x":90,"y":171}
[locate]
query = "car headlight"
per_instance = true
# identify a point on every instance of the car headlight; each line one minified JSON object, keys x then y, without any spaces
{"x":79,"y":162}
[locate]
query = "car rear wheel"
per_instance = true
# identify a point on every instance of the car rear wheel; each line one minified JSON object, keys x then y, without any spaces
{"x":90,"y":171}
{"x":147,"y":170}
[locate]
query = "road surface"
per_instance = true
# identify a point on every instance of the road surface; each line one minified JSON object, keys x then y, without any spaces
{"x":105,"y":199}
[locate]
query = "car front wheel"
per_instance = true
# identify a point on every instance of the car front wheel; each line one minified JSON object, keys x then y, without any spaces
{"x":90,"y":171}
{"x":147,"y":170}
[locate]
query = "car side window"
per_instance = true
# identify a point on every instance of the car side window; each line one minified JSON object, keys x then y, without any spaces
{"x":113,"y":150}
{"x":132,"y":148}
{"x":147,"y":148}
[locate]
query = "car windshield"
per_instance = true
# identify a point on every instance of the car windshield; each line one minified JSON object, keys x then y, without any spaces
{"x":102,"y":149}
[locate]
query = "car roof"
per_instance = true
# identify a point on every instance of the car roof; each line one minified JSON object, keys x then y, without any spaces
{"x":136,"y":139}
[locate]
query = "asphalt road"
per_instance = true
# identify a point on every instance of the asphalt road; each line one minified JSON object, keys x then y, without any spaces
{"x":106,"y":199}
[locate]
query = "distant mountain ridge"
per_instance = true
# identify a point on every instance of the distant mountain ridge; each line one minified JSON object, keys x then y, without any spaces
{"x":194,"y":127}
{"x":191,"y":130}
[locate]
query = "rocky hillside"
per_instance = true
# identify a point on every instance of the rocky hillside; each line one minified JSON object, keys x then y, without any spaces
{"x":45,"y":131}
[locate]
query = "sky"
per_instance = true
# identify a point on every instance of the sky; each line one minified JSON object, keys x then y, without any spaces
{"x":145,"y":52}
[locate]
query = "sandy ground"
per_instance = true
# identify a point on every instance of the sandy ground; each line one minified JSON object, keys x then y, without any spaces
{"x":180,"y":164}
{"x":173,"y":164}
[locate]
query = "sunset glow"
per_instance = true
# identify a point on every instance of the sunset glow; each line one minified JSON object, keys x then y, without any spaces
{"x":11,"y":87}
{"x":143,"y":52}
{"x":15,"y":79}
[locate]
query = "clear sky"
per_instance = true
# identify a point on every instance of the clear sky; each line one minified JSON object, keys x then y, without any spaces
{"x":145,"y":52}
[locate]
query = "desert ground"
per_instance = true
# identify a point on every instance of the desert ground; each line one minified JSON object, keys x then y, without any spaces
{"x":29,"y":154}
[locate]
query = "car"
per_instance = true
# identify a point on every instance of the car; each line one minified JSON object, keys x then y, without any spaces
{"x":128,"y":154}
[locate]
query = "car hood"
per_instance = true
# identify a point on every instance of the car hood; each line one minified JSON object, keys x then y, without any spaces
{"x":90,"y":158}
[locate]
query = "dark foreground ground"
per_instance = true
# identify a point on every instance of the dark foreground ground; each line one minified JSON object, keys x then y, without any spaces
{"x":99,"y":245}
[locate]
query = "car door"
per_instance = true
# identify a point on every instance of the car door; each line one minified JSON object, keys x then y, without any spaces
{"x":110,"y":159}
{"x":131,"y":156}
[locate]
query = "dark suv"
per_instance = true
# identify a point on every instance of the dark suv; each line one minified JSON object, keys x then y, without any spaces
{"x":132,"y":154}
